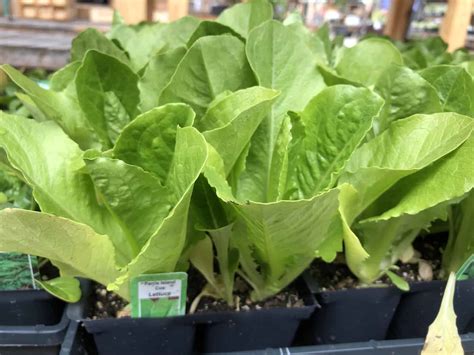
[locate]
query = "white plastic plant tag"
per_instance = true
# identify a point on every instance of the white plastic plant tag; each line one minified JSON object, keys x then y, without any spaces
{"x":159,"y":295}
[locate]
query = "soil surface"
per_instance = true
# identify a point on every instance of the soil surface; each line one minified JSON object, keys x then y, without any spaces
{"x":424,"y":266}
{"x":289,"y":298}
{"x":109,"y":305}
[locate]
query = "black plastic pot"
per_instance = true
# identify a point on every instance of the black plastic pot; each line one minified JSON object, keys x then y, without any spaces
{"x":232,"y":331}
{"x":174,"y":335}
{"x":419,"y":307}
{"x":29,"y":308}
{"x":254,"y":330}
{"x":31,"y":322}
{"x":204,"y":332}
{"x":76,"y":341}
{"x":352,"y":315}
{"x":36,"y":322}
{"x":387,"y":347}
{"x":33,"y":340}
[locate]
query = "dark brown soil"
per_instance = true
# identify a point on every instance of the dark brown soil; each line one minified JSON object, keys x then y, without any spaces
{"x":330,"y":276}
{"x":109,"y":305}
{"x":289,"y":298}
{"x":336,"y":275}
{"x":106,"y":304}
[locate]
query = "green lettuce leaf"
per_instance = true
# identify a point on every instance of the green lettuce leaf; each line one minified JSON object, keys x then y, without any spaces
{"x":235,"y":118}
{"x":211,"y":28}
{"x":329,"y":129}
{"x":379,"y":164}
{"x":213,"y":65}
{"x":162,"y":251}
{"x":145,"y":40}
{"x":149,"y":141}
{"x":55,"y":172}
{"x":157,"y":75}
{"x":366,"y":61}
{"x":405,"y":93}
{"x":93,"y":39}
{"x":281,"y":61}
{"x":455,"y":88}
{"x":108,"y":94}
{"x":59,"y":106}
{"x":75,"y":248}
{"x":242,"y":18}
{"x":396,"y":184}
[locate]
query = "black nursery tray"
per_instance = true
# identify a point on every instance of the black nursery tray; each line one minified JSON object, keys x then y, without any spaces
{"x":382,"y":313}
{"x":387,"y":347}
{"x":419,"y":307}
{"x":201,"y":333}
{"x":29,"y":308}
{"x":35,"y":323}
{"x":31,"y":322}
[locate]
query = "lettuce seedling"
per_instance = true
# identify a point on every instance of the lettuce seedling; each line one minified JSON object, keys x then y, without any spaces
{"x":244,"y":141}
{"x":402,"y":188}
{"x":107,"y":217}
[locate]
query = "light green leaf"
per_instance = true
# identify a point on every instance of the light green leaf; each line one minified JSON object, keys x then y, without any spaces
{"x":157,"y":75}
{"x":330,"y":128}
{"x":211,"y":28}
{"x":202,"y":258}
{"x":367,"y":60}
{"x":269,"y":258}
{"x":282,"y":61}
{"x":386,"y":240}
{"x":143,"y":41}
{"x":163,"y":249}
{"x":136,"y":197}
{"x":235,"y":118}
{"x":75,"y":248}
{"x":242,"y":18}
{"x":398,"y":281}
{"x":65,"y":288}
{"x":107,"y":93}
{"x":55,"y":172}
{"x":211,"y":66}
{"x":469,"y":67}
{"x":93,"y":39}
{"x":62,"y":78}
{"x":32,"y":108}
{"x":379,"y":164}
{"x":455,"y":88}
{"x":331,"y":77}
{"x":149,"y":141}
{"x":443,"y":337}
{"x":61,"y":107}
{"x":449,"y":178}
{"x":405,"y":93}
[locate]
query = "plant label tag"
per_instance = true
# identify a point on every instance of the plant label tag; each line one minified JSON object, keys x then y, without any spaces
{"x":159,"y":295}
{"x":466,"y":271}
{"x":17,"y":271}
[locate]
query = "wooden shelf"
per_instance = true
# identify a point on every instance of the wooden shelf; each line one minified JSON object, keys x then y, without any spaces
{"x":58,"y":10}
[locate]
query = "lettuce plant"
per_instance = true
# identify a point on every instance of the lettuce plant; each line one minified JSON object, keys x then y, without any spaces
{"x":246,"y":141}
{"x":105,"y":217}
{"x":386,"y":221}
